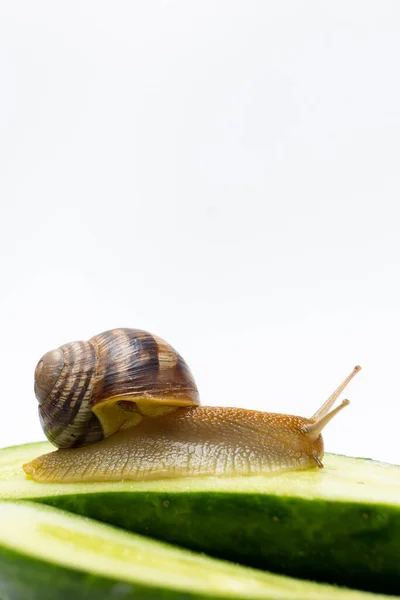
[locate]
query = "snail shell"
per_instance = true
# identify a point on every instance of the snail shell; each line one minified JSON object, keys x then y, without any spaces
{"x":88,"y":390}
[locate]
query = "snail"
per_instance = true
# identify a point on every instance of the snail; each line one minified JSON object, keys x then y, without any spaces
{"x":124,"y":406}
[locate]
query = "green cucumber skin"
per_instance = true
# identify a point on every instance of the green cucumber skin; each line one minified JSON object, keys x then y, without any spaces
{"x":360,"y":547}
{"x":25,"y":578}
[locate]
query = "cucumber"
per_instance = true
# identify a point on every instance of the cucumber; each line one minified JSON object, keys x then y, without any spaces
{"x":46,"y":553}
{"x":340,"y":524}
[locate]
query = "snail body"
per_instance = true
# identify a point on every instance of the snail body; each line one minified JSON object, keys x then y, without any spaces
{"x":135,"y":415}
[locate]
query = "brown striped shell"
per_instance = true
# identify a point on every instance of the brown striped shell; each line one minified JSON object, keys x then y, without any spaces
{"x":88,"y":390}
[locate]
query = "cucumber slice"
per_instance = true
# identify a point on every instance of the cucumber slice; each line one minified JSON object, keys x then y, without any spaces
{"x":46,"y":553}
{"x":340,"y":524}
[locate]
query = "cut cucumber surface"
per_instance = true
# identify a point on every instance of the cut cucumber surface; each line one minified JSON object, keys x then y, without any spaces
{"x":46,"y":553}
{"x":339,"y":524}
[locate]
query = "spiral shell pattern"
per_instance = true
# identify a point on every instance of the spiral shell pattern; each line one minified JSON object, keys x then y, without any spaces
{"x":66,"y":415}
{"x":121,"y":366}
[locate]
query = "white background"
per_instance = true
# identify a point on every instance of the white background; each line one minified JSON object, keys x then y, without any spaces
{"x":224,"y":174}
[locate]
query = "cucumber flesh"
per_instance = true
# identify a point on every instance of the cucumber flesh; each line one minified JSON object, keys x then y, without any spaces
{"x":343,"y":478}
{"x":340,"y":524}
{"x":46,"y":553}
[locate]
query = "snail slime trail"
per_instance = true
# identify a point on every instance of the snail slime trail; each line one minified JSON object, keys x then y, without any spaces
{"x":124,"y":406}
